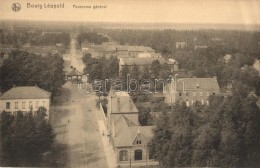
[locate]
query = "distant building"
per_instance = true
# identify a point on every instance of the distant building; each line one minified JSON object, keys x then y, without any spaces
{"x":257,"y":65}
{"x":142,"y":62}
{"x":191,"y":90}
{"x":25,"y":99}
{"x":200,"y":47}
{"x":215,"y":39}
{"x":128,"y":137}
{"x":132,"y":51}
{"x":227,"y":58}
{"x":74,"y":74}
{"x":181,"y":45}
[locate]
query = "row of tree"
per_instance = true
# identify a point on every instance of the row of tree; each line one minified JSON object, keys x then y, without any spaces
{"x":48,"y":39}
{"x":92,"y":37}
{"x":24,"y":137}
{"x":225,"y":134}
{"x":164,"y":40}
{"x":26,"y":69}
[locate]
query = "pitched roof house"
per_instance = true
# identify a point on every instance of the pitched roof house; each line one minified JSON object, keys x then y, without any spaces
{"x":191,"y":90}
{"x":128,"y":137}
{"x":25,"y":98}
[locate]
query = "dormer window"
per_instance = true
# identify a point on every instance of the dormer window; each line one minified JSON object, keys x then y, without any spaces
{"x":198,"y":86}
{"x":138,"y":142}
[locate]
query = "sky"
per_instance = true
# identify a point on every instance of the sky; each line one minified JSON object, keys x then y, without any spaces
{"x":139,"y":11}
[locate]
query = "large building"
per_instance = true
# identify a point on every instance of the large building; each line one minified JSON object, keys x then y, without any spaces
{"x":25,"y":99}
{"x":128,"y":137}
{"x":191,"y":90}
{"x":143,"y":62}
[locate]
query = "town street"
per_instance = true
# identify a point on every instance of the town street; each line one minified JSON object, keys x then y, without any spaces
{"x":75,"y":119}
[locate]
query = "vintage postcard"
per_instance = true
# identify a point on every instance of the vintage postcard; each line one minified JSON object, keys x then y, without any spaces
{"x":127,"y":83}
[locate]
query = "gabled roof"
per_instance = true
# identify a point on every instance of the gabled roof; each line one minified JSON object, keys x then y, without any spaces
{"x":126,"y":133}
{"x":121,"y":103}
{"x":26,"y":92}
{"x":74,"y":72}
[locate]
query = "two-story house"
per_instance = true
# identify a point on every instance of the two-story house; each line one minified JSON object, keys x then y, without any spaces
{"x":25,"y":99}
{"x":128,"y":137}
{"x":191,"y":90}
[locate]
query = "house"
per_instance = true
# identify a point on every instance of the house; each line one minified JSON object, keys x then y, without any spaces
{"x":191,"y":90}
{"x":25,"y":99}
{"x":143,"y":62}
{"x":181,"y":45}
{"x":128,"y":138}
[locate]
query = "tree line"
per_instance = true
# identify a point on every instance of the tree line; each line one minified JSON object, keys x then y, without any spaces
{"x":224,"y":134}
{"x":48,"y":39}
{"x":92,"y":37}
{"x":26,"y":69}
{"x":25,"y":137}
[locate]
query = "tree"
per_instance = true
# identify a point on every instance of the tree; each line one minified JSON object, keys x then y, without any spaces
{"x":155,"y":69}
{"x":25,"y":138}
{"x":146,"y":73}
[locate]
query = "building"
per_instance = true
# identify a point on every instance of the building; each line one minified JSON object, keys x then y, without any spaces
{"x":74,"y":74}
{"x":132,"y":51}
{"x":256,"y":65}
{"x":191,"y":90}
{"x":181,"y":45}
{"x":128,"y":137}
{"x":143,"y":62}
{"x":199,"y":47}
{"x":25,"y":99}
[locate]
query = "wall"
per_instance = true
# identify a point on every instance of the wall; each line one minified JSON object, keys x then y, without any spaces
{"x":27,"y":108}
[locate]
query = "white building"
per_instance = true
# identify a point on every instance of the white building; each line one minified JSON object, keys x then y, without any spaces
{"x":25,"y":99}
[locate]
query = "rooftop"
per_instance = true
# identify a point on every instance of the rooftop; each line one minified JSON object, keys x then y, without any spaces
{"x":74,"y":72}
{"x":197,"y":83}
{"x":142,"y":61}
{"x":26,"y":92}
{"x":121,"y":103}
{"x":126,"y":133}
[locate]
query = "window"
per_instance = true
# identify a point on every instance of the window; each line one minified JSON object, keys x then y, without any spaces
{"x":179,"y":94}
{"x":23,"y":105}
{"x":202,"y":102}
{"x":138,"y":142}
{"x":207,"y":102}
{"x":138,"y":154}
{"x":123,"y":155}
{"x":37,"y":104}
{"x":16,"y":105}
{"x":201,"y":93}
{"x":213,"y":93}
{"x":7,"y":105}
{"x":30,"y":105}
{"x":198,"y":86}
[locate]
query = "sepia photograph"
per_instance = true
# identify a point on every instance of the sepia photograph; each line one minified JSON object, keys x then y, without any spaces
{"x":126,"y":83}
